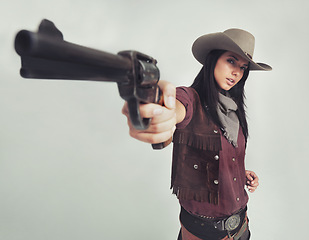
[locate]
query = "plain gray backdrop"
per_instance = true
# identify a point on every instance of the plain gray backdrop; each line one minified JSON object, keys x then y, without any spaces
{"x":68,"y":168}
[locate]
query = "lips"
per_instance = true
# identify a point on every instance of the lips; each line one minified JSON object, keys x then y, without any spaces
{"x":230,"y":81}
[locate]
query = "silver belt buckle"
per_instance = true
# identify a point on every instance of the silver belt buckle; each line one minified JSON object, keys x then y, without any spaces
{"x":232,"y":222}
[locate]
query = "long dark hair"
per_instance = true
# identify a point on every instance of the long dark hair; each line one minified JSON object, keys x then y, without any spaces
{"x":208,"y":91}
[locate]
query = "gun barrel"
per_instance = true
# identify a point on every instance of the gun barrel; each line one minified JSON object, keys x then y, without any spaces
{"x":45,"y":56}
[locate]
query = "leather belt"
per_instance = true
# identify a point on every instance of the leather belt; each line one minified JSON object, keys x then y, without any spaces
{"x":229,"y":223}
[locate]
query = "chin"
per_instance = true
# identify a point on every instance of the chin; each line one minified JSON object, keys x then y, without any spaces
{"x":226,"y":88}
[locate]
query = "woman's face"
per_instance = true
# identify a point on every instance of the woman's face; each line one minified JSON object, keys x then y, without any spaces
{"x":229,"y":69}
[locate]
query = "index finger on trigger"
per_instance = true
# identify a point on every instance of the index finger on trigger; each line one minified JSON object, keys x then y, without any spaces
{"x":169,"y":94}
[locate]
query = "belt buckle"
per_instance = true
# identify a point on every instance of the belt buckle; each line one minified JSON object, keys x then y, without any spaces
{"x":232,"y":222}
{"x":219,"y":225}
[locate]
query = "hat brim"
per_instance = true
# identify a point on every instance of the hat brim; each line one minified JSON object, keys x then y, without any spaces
{"x":206,"y":43}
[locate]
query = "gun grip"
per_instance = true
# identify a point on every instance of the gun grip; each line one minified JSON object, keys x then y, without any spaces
{"x":143,"y":123}
{"x":162,"y":145}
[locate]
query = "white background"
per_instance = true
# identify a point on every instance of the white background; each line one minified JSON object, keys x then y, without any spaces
{"x":68,"y":168}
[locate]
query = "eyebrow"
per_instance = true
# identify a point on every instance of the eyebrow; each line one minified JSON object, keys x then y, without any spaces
{"x":234,"y":57}
{"x":237,"y":59}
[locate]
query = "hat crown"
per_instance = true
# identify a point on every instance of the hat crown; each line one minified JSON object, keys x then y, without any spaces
{"x":235,"y":40}
{"x":243,"y":39}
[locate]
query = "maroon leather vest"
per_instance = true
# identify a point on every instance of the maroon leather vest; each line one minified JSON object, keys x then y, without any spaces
{"x":195,"y":168}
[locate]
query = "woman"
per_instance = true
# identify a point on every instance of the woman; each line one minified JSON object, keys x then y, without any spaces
{"x":208,"y":172}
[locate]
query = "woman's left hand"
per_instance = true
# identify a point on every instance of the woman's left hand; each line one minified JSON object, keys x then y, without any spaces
{"x":252,"y":181}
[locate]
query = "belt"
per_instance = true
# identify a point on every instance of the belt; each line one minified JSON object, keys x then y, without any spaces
{"x":229,"y":223}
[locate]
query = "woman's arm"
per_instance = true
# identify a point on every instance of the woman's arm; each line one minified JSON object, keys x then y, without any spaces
{"x":164,"y":118}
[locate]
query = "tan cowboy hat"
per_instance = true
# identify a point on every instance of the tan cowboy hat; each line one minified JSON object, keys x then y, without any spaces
{"x":234,"y":40}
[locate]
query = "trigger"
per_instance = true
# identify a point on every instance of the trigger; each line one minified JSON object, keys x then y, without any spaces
{"x":135,"y":117}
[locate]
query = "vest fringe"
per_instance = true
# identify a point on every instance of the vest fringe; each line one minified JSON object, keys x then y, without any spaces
{"x":189,"y":194}
{"x":205,"y":142}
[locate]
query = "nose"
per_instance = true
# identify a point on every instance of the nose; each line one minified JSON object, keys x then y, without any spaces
{"x":236,"y":72}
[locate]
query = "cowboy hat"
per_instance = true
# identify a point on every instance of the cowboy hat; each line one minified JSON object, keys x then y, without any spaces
{"x":235,"y":40}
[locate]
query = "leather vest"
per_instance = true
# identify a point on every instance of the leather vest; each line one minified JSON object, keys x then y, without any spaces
{"x":195,"y":168}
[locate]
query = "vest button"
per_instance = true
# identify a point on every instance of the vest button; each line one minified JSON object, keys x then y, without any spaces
{"x":216,"y":157}
{"x":233,"y":159}
{"x":216,"y":182}
{"x":195,"y":166}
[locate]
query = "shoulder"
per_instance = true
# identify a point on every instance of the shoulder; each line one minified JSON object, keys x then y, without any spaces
{"x":185,"y":91}
{"x":187,"y":96}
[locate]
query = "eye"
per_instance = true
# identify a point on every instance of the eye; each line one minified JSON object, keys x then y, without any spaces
{"x":231,"y":61}
{"x":243,"y":68}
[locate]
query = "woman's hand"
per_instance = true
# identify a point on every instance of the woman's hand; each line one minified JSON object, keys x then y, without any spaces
{"x":252,"y":181}
{"x":163,"y":118}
